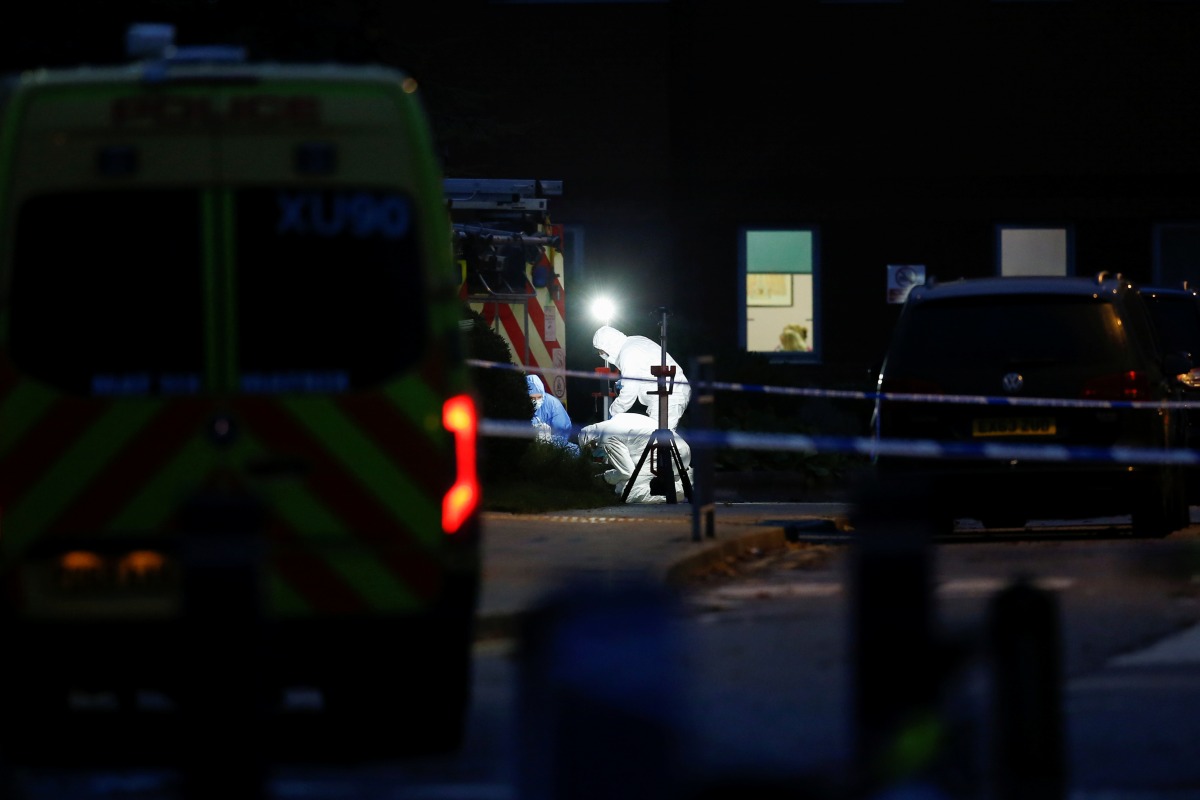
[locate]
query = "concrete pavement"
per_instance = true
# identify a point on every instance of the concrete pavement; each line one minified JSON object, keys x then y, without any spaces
{"x":1128,"y":724}
{"x":528,"y":556}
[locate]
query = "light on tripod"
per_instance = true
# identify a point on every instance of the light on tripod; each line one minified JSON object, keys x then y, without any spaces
{"x":666,"y":462}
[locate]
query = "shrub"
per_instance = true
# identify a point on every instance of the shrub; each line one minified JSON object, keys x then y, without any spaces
{"x":502,"y":395}
{"x":551,"y":478}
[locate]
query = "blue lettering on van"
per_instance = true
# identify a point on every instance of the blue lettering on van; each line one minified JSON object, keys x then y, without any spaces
{"x":143,"y":383}
{"x":285,"y":382}
{"x":358,"y":214}
{"x":179,"y":384}
{"x":125,"y":384}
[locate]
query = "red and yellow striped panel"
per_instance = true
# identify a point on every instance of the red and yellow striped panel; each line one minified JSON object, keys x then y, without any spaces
{"x":544,"y":348}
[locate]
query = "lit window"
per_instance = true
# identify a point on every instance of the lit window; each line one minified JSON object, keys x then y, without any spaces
{"x":1026,"y":250}
{"x":779,"y":288}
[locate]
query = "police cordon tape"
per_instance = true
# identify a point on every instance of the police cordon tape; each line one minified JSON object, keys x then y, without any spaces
{"x":962,"y":399}
{"x":875,"y":447}
{"x":907,"y":448}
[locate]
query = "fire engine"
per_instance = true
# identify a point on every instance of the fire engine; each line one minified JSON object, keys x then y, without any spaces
{"x":511,"y":269}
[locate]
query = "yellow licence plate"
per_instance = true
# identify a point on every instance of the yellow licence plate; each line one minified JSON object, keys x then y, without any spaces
{"x":1014,"y":426}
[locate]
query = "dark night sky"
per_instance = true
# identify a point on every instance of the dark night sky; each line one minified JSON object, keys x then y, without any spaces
{"x":671,"y":123}
{"x":539,"y":89}
{"x":572,"y":93}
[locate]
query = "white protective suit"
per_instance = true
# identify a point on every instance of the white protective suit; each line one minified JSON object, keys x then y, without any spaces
{"x":624,"y":437}
{"x":633,"y":356}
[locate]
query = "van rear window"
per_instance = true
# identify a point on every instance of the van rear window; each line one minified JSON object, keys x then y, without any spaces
{"x":111,"y":290}
{"x":107,"y":293}
{"x":329,"y":283}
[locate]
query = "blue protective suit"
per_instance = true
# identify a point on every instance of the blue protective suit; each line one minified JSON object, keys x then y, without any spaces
{"x":548,"y":410}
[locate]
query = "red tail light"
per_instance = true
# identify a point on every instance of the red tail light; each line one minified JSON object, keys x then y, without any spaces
{"x":1131,"y":385}
{"x":460,"y":417}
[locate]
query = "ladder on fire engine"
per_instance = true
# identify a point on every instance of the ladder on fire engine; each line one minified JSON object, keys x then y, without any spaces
{"x":499,"y":201}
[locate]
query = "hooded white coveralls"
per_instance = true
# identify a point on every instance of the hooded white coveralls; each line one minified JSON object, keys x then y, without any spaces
{"x":633,"y":356}
{"x":624,"y":437}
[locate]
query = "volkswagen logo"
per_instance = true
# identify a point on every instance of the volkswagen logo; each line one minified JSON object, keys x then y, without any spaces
{"x":1013,"y":382}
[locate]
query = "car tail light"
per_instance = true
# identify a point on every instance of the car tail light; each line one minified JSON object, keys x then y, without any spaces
{"x":1129,"y":385}
{"x":460,"y":417}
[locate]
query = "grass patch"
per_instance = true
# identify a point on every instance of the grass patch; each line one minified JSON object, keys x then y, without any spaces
{"x":548,"y":478}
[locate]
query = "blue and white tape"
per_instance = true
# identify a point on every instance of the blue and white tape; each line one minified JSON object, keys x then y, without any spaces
{"x":907,"y":448}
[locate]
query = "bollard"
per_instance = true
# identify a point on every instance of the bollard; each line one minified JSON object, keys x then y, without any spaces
{"x":1028,"y":752}
{"x":898,"y":667}
{"x":598,"y":705}
{"x":702,"y":454}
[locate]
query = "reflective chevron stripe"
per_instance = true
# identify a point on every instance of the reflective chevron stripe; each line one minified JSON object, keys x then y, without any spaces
{"x":544,"y":348}
{"x":351,"y":481}
{"x":372,"y":475}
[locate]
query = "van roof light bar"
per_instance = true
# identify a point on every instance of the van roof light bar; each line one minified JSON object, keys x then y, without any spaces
{"x":149,"y":40}
{"x":155,"y":42}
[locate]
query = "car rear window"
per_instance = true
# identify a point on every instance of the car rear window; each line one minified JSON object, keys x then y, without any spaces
{"x":1177,"y":319}
{"x":962,"y":332}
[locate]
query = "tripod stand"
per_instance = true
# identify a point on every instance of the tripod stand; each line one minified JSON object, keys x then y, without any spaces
{"x":664,"y":453}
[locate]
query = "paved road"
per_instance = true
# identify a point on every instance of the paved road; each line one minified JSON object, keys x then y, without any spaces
{"x":528,"y":556}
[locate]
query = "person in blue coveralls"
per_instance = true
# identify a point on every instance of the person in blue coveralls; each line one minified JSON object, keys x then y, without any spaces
{"x":550,"y":415}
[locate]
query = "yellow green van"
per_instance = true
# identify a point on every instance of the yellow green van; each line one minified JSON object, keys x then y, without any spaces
{"x":237,"y":435}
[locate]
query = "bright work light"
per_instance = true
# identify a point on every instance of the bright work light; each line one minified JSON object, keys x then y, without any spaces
{"x":603,"y":309}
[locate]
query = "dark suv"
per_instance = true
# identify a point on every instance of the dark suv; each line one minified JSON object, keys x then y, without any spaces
{"x":991,"y":369}
{"x":1176,"y":314}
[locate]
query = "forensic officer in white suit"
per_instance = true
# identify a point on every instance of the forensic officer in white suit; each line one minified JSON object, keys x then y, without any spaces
{"x":633,"y":356}
{"x":624,"y":437}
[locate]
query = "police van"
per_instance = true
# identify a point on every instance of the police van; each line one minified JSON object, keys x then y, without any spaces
{"x":237,"y":433}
